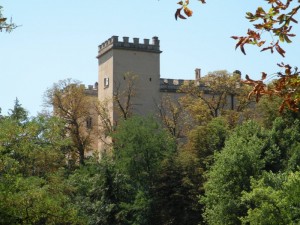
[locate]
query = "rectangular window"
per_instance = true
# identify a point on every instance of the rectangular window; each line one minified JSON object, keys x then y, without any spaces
{"x":106,"y":82}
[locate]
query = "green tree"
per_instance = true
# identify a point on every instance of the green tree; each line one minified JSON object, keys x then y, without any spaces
{"x":32,"y":188}
{"x":273,"y":199}
{"x":18,"y":113}
{"x":181,"y":179}
{"x":207,"y":139}
{"x":140,"y":147}
{"x":176,"y":191}
{"x":120,"y":189}
{"x":101,"y":192}
{"x":249,"y":153}
{"x":240,"y":160}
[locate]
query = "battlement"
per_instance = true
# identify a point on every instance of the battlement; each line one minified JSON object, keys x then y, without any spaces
{"x":114,"y":43}
{"x":173,"y":85}
{"x":91,"y":90}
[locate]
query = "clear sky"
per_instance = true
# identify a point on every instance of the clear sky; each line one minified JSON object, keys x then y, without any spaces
{"x":59,"y":39}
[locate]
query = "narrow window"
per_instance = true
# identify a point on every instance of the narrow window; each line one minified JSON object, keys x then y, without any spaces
{"x":106,"y":82}
{"x":89,"y":123}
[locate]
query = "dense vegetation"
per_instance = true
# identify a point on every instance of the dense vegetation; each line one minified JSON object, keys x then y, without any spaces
{"x":223,"y":174}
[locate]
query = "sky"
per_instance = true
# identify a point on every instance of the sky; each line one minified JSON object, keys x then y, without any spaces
{"x":59,"y":39}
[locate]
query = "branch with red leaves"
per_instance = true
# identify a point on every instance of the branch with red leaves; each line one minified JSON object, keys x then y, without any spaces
{"x":186,"y":10}
{"x":276,"y":21}
{"x":286,"y":87}
{"x":273,"y":21}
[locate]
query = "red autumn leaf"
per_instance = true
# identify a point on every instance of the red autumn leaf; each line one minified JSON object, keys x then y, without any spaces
{"x":248,"y":78}
{"x":188,"y":12}
{"x":263,"y":76}
{"x":178,"y":14}
{"x":259,"y":44}
{"x":293,"y":20}
{"x":279,"y":50}
{"x":242,"y":49}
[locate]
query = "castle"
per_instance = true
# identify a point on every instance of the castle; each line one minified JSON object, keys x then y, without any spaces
{"x":121,"y":60}
{"x":117,"y":58}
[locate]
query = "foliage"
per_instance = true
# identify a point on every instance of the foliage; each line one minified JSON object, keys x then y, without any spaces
{"x":140,"y":147}
{"x":273,"y":199}
{"x":33,"y":148}
{"x":176,"y":189}
{"x":173,"y":115}
{"x":273,"y":21}
{"x":276,"y":21}
{"x":18,"y":113}
{"x":101,"y":192}
{"x":249,"y":153}
{"x":32,"y":188}
{"x":185,"y":9}
{"x":105,"y":128}
{"x":286,"y":87}
{"x":4,"y":24}
{"x":230,"y":174}
{"x":36,"y":200}
{"x":218,"y":91}
{"x":73,"y":106}
{"x":120,"y":189}
{"x":205,"y":140}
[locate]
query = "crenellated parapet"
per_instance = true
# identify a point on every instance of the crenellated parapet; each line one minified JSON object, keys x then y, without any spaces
{"x":174,"y":85}
{"x":171,"y":85}
{"x":115,"y":43}
{"x":91,"y":90}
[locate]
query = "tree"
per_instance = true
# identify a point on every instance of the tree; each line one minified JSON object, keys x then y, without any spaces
{"x":32,"y":188}
{"x":101,"y":191}
{"x":249,"y":153}
{"x":18,"y":113}
{"x":140,"y":147}
{"x":106,"y":125}
{"x":74,"y":107}
{"x":4,"y":25}
{"x":173,"y":116}
{"x":218,"y":91}
{"x":123,"y":96}
{"x":240,"y":160}
{"x":273,"y":199}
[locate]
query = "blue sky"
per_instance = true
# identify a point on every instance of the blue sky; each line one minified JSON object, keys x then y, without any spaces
{"x":59,"y":39}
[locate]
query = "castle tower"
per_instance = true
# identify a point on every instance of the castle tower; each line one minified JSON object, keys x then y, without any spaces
{"x":117,"y":58}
